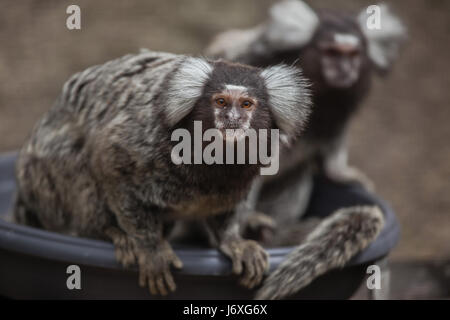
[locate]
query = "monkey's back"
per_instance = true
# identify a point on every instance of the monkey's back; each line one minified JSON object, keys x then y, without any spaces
{"x":58,"y":184}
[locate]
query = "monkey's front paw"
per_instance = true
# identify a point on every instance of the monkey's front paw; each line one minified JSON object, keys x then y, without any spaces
{"x":154,"y":268}
{"x":123,"y":246}
{"x":249,"y":258}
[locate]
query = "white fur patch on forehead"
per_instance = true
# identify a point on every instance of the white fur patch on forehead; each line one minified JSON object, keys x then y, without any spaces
{"x":292,"y":24}
{"x":233,"y":87}
{"x":346,"y":39}
{"x":289,"y":98}
{"x":186,"y":87}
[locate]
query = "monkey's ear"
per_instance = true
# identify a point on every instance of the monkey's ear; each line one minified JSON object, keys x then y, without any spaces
{"x":385,"y":34}
{"x":292,"y":24}
{"x":289,"y":98}
{"x":185,"y":87}
{"x":235,"y":43}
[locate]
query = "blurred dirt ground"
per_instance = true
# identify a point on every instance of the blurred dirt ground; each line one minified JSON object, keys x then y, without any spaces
{"x":401,"y":137}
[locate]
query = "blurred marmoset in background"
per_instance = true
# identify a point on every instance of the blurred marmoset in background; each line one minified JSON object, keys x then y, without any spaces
{"x":338,"y":54}
{"x":99,"y":162}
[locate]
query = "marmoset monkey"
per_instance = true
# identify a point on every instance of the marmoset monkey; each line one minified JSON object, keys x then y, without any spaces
{"x":99,"y":162}
{"x":338,"y":53}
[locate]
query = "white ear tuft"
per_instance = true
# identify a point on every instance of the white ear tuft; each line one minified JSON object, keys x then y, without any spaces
{"x":292,"y":24}
{"x":234,"y":43}
{"x":289,"y":98}
{"x":384,"y":40}
{"x":185,"y":87}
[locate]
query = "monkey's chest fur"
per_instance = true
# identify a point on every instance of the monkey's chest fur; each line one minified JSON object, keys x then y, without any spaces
{"x":208,"y":190}
{"x":203,"y":207}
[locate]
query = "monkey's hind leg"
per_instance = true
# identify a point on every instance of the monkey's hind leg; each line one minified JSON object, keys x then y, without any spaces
{"x":330,"y":245}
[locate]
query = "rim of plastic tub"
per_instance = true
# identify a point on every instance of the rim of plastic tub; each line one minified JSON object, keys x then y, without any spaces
{"x":196,"y":261}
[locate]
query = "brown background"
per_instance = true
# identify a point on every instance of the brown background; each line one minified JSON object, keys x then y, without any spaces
{"x":400,"y":139}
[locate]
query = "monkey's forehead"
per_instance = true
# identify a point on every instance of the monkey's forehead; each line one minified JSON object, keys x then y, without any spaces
{"x":235,"y":77}
{"x":333,"y":22}
{"x":233,"y":92}
{"x":340,"y":38}
{"x":337,"y":19}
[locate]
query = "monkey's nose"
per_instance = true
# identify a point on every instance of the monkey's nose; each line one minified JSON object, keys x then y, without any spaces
{"x":232,"y":115}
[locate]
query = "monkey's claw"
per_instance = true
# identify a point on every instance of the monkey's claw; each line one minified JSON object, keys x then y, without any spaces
{"x":249,"y":259}
{"x":154,"y":269}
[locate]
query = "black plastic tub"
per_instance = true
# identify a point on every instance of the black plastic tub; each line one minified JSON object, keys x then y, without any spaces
{"x":33,"y":262}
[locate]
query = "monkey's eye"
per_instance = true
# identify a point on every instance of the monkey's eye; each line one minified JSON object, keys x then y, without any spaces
{"x":353,"y":53}
{"x":332,"y":52}
{"x":221,"y":102}
{"x":246,"y":104}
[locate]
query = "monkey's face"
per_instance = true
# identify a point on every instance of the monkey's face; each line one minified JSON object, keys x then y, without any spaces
{"x":233,"y":107}
{"x":341,"y":59}
{"x":234,"y":99}
{"x":340,"y":49}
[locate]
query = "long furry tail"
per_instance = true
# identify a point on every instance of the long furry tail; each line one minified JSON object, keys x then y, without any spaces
{"x":330,"y":245}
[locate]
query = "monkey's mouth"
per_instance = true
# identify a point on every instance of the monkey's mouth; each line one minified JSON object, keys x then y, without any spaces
{"x":231,"y":134}
{"x":345,"y":83}
{"x":340,"y":80}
